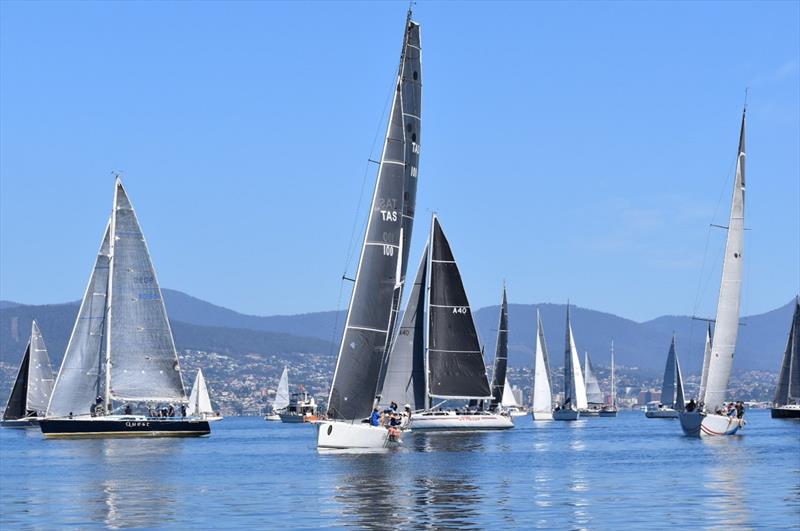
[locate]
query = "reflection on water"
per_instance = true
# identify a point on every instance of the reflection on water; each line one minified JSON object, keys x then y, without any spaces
{"x":723,"y":477}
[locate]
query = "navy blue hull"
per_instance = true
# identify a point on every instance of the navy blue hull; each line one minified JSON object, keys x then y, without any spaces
{"x":87,"y":428}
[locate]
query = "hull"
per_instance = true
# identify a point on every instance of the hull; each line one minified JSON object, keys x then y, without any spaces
{"x":29,"y":422}
{"x":339,"y":435}
{"x":696,"y":424}
{"x":273,"y":417}
{"x":450,"y":421}
{"x":566,"y":414}
{"x":665,"y":413}
{"x":608,"y":412}
{"x":586,"y":413}
{"x":122,"y":427}
{"x":785,"y":412}
{"x":517,"y":412}
{"x":296,"y":419}
{"x":213,"y":418}
{"x":542,"y":415}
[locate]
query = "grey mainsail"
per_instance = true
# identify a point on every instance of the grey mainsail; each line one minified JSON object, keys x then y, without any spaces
{"x":144,"y":362}
{"x":593,"y":393}
{"x":726,"y":329}
{"x":40,"y":373}
{"x":15,"y":407}
{"x":668,"y":384}
{"x":79,"y":380}
{"x":788,"y":391}
{"x":377,"y":292}
{"x":404,"y":380}
{"x":455,"y":360}
{"x":501,"y":355}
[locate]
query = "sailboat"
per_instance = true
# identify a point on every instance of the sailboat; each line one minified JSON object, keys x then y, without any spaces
{"x":121,"y":352}
{"x":672,"y":397}
{"x":594,"y":396}
{"x":32,"y":387}
{"x":574,"y":388}
{"x":542,"y":408}
{"x":378,"y":287}
{"x":611,"y":410}
{"x":509,"y":402}
{"x":706,"y":419}
{"x":501,"y":395}
{"x":281,"y":400}
{"x":787,"y":395}
{"x":200,"y":401}
{"x":453,"y":355}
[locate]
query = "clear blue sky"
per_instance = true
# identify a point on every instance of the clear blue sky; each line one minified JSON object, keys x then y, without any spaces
{"x":577,"y":150}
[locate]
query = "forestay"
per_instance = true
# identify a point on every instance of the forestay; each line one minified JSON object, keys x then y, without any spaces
{"x":377,"y":292}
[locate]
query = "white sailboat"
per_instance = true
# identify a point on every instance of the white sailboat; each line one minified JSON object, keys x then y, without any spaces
{"x":672,"y":398}
{"x":707,"y":419}
{"x":787,"y":395}
{"x":594,"y":396}
{"x":611,"y":410}
{"x":378,"y":287}
{"x":542,"y":408}
{"x":510,"y":403}
{"x":32,"y":387}
{"x":281,"y":397}
{"x":200,"y":401}
{"x":574,"y":387}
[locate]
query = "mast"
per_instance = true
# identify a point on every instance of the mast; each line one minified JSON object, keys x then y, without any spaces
{"x":726,"y":330}
{"x":109,"y":293}
{"x":613,"y":382}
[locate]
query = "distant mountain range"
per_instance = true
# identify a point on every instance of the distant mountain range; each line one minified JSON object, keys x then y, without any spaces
{"x":200,"y":325}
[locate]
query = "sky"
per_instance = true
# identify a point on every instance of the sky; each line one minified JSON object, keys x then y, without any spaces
{"x":573,"y":150}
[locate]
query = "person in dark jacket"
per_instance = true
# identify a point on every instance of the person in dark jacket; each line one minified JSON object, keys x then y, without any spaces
{"x":375,"y":418}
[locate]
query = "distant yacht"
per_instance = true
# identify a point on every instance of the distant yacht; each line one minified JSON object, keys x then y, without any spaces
{"x":594,"y":396}
{"x":542,"y":407}
{"x":200,"y":401}
{"x":708,"y":417}
{"x":503,"y":399}
{"x":121,"y":353}
{"x":295,"y":408}
{"x":282,"y":398}
{"x":32,"y":387}
{"x":787,"y":395}
{"x":672,"y":397}
{"x":381,"y":274}
{"x":574,"y":388}
{"x":611,"y":410}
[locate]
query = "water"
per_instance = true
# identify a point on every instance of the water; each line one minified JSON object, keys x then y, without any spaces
{"x":628,"y":472}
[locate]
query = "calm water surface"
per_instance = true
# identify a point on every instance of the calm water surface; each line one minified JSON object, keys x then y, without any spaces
{"x":627,"y":472}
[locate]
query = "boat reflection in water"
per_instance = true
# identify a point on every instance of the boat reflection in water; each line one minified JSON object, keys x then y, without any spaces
{"x":723,"y":477}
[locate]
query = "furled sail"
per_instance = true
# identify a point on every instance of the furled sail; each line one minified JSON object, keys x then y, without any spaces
{"x":404,"y":380}
{"x":79,"y":380}
{"x":455,"y":360}
{"x":382,"y":265}
{"x":199,"y":401}
{"x":15,"y":407}
{"x":499,"y":380}
{"x":542,"y":389}
{"x":593,"y":393}
{"x":40,"y":373}
{"x":574,"y":387}
{"x":788,"y":390}
{"x":282,"y":394}
{"x":726,"y":328}
{"x":706,"y":361}
{"x":144,"y":362}
{"x":668,"y":383}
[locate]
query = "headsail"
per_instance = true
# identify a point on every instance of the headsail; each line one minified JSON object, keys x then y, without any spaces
{"x":377,"y":292}
{"x":668,"y":384}
{"x":574,"y":387}
{"x":455,"y":360}
{"x":144,"y":362}
{"x":199,"y":401}
{"x":788,"y":390}
{"x":680,"y":399}
{"x":15,"y":407}
{"x":404,"y":380}
{"x":726,"y":329}
{"x":40,"y":373}
{"x":706,"y":361}
{"x":499,"y":380}
{"x":282,"y":394}
{"x":508,"y":399}
{"x":542,"y":389}
{"x":593,"y":393}
{"x":79,"y":380}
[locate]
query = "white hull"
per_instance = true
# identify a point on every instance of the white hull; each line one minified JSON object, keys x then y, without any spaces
{"x":345,"y":435}
{"x":213,"y":418}
{"x":273,"y":417}
{"x":589,"y":413}
{"x":450,"y":420}
{"x":566,"y":414}
{"x":664,"y":413}
{"x":542,"y":415}
{"x":517,"y":412}
{"x":696,"y":424}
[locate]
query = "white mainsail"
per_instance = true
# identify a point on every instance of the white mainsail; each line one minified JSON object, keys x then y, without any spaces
{"x":40,"y":373}
{"x":593,"y":393}
{"x":726,"y":329}
{"x":542,"y":390}
{"x":574,"y":386}
{"x":508,"y":396}
{"x":199,"y":401}
{"x":282,"y":394}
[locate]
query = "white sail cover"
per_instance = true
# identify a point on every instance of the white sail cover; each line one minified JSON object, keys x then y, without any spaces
{"x":508,"y":396}
{"x":593,"y":393}
{"x":199,"y":401}
{"x":282,"y":395}
{"x":144,"y":362}
{"x":542,"y":390}
{"x":574,"y":387}
{"x":79,"y":379}
{"x":40,"y":373}
{"x":726,"y":328}
{"x":706,"y":360}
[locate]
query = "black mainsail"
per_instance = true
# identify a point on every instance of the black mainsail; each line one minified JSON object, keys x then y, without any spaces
{"x":788,"y":391}
{"x":501,"y":355}
{"x":16,"y":408}
{"x":455,"y":360}
{"x":375,"y":301}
